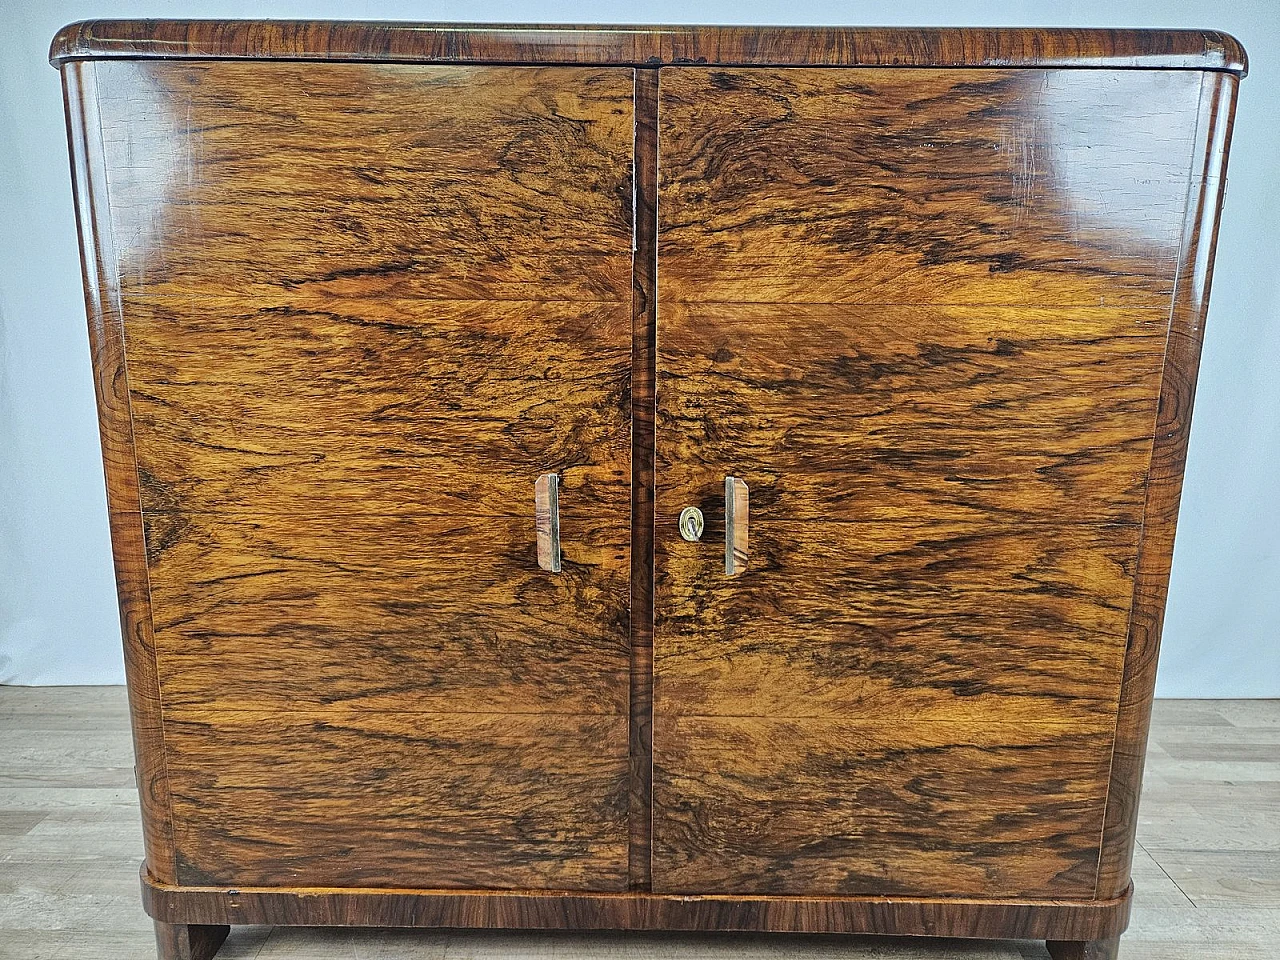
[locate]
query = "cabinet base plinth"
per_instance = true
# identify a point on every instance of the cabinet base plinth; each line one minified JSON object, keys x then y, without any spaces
{"x":1052,"y":920}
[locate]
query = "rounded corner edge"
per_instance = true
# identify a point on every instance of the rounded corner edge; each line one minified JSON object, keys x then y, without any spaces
{"x":69,"y":42}
{"x":1228,"y":50}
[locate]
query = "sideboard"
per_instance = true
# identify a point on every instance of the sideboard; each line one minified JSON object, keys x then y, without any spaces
{"x":682,"y":478}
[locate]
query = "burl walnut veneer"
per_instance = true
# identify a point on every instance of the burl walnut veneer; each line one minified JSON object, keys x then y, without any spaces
{"x":654,"y":477}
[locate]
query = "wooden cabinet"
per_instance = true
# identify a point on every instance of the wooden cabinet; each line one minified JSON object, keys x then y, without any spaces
{"x":907,"y":320}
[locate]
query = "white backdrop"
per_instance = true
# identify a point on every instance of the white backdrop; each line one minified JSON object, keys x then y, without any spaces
{"x":58,"y":620}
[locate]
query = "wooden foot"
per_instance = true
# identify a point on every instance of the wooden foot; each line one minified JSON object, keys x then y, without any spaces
{"x":1108,"y":949}
{"x":188,"y":941}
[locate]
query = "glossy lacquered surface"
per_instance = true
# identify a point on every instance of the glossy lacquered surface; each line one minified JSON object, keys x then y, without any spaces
{"x":924,"y":315}
{"x":942,"y":323}
{"x":939,"y":917}
{"x":652,"y":45}
{"x":350,"y":355}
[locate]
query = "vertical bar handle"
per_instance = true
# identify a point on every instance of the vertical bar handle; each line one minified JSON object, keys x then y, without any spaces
{"x":736,"y":515}
{"x":546,"y":520}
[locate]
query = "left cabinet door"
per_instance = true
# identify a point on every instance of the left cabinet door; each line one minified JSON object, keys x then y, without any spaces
{"x":362,"y":308}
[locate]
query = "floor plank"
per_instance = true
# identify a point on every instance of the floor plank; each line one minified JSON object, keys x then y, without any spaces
{"x":1225,"y":878}
{"x":1206,"y":871}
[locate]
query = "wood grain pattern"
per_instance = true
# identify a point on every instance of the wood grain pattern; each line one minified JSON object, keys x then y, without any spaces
{"x":643,"y":417}
{"x":925,"y":621}
{"x":357,"y":614}
{"x":756,"y":805}
{"x":853,"y":412}
{"x":1215,"y":114}
{"x":911,"y":186}
{"x":396,"y":181}
{"x":924,"y":316}
{"x":408,"y":394}
{"x":954,"y":47}
{"x":115,"y":428}
{"x":938,"y":917}
{"x":336,"y":451}
{"x":651,"y":45}
{"x":307,"y":798}
{"x":379,"y":406}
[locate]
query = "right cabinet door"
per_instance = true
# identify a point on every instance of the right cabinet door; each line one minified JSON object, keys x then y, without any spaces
{"x":922,"y":313}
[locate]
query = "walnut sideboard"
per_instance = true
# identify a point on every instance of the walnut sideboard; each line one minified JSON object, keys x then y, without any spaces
{"x":677,"y":478}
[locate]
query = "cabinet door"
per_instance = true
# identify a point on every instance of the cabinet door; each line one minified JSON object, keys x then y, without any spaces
{"x":364,"y":308}
{"x":922,"y":314}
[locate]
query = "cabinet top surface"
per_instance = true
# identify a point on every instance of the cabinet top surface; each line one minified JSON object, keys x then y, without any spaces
{"x":649,"y":45}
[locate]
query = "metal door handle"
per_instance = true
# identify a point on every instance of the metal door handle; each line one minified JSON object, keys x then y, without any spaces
{"x":736,"y":516}
{"x":546,"y":520}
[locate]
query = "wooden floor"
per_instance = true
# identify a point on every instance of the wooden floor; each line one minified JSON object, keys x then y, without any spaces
{"x":1207,"y":871}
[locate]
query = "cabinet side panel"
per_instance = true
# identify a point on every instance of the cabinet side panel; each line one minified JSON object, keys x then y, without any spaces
{"x":115,"y":425}
{"x":1164,"y":490}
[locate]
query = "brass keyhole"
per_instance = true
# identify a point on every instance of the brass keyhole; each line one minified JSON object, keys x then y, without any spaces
{"x":691,"y":524}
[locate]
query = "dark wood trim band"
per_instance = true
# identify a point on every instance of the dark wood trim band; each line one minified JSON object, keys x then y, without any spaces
{"x":1029,"y":919}
{"x":651,"y":45}
{"x":1164,"y":484}
{"x":644,"y":312}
